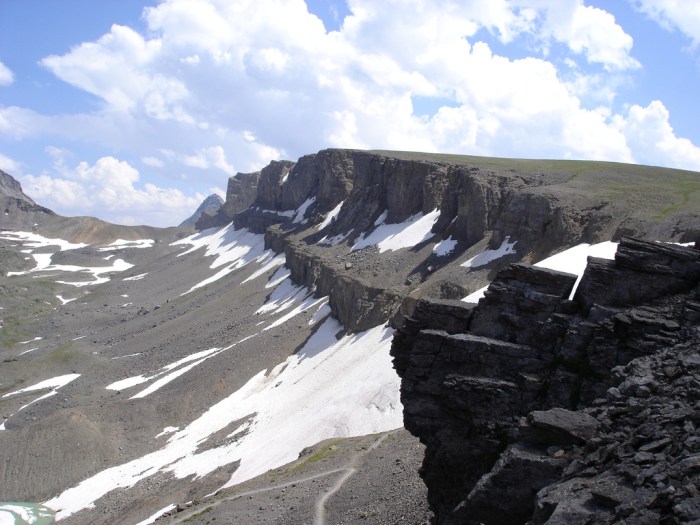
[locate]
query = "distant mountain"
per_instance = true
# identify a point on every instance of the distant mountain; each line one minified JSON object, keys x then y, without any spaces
{"x":210,"y":206}
{"x":18,"y":210}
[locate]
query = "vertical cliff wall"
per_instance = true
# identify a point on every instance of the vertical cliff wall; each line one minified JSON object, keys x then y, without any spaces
{"x":477,"y":383}
{"x":319,"y":208}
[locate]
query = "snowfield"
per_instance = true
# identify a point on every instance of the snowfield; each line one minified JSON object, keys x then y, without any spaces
{"x":331,"y":388}
{"x":233,"y":249}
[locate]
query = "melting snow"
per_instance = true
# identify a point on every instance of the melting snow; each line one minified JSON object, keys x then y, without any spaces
{"x":301,"y":211}
{"x":119,"y":265}
{"x":487,"y":256}
{"x":331,"y":215}
{"x":34,"y":240}
{"x":153,"y":517}
{"x":445,"y":247}
{"x":269,"y":262}
{"x":121,"y":243}
{"x":331,"y":388}
{"x":30,"y":341}
{"x":134,"y":278}
{"x":54,"y":382}
{"x":233,"y":248}
{"x":65,"y":301}
{"x":573,"y":260}
{"x":407,"y":234}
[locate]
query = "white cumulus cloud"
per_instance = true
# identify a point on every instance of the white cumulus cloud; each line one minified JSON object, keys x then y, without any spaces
{"x":6,"y":75}
{"x":215,"y":86}
{"x":683,"y":16}
{"x":110,"y":185}
{"x":649,"y":133}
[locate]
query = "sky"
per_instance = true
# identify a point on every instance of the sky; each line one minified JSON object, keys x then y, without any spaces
{"x":134,"y":111}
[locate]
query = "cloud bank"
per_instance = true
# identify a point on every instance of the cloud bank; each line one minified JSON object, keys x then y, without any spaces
{"x":214,"y":87}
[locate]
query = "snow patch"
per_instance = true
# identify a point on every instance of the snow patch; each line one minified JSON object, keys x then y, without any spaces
{"x":301,"y":210}
{"x":123,"y":244}
{"x":330,"y":216}
{"x":445,"y":247}
{"x":233,"y":248}
{"x":134,"y":278}
{"x":54,"y":382}
{"x":34,"y":240}
{"x":485,"y":257}
{"x":330,"y":388}
{"x":269,"y":263}
{"x":407,"y":234}
{"x":153,"y":517}
{"x":119,"y":265}
{"x":167,"y":430}
{"x":65,"y":301}
{"x":333,"y":241}
{"x":573,"y":260}
{"x":30,"y":341}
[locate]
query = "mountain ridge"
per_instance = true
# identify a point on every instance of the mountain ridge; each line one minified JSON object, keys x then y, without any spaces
{"x":329,"y":254}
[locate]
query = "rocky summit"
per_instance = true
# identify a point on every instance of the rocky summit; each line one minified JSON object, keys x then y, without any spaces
{"x":241,"y":371}
{"x":209,"y":207}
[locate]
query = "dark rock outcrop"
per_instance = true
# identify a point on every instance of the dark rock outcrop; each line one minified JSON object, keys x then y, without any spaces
{"x":210,"y":206}
{"x":542,"y":205}
{"x":540,"y":409}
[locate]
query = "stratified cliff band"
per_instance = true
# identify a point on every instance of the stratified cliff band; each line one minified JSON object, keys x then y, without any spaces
{"x":539,"y":409}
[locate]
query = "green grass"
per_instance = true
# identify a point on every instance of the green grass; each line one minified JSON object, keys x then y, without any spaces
{"x":24,"y":300}
{"x":198,"y":515}
{"x":321,"y":454}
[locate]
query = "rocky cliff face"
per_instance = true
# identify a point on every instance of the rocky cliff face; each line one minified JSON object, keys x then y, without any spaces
{"x":210,"y":207}
{"x":542,"y":205}
{"x":540,"y":409}
{"x":13,"y":199}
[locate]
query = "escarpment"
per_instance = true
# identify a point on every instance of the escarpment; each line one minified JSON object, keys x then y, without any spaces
{"x":319,"y":209}
{"x":538,"y":408}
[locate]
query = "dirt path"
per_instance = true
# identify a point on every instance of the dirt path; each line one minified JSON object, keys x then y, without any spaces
{"x":320,"y":516}
{"x":320,"y":507}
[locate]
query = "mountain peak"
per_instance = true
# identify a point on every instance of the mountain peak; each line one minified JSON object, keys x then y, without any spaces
{"x":10,"y":187}
{"x":210,"y":206}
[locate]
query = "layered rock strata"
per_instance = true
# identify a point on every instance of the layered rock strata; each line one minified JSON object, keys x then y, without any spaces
{"x":540,"y":409}
{"x":541,"y":205}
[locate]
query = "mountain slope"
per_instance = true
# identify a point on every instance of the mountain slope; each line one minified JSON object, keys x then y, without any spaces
{"x":165,"y":366}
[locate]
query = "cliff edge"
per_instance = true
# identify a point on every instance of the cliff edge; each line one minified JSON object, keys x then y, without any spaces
{"x":535,"y":408}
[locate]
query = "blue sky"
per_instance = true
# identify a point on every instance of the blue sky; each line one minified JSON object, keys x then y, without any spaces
{"x":134,"y":111}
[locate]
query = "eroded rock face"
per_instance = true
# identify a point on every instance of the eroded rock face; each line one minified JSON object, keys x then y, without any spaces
{"x":535,"y":408}
{"x":481,"y":204}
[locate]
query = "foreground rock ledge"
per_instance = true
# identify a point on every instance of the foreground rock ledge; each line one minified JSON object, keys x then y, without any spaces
{"x":539,"y":409}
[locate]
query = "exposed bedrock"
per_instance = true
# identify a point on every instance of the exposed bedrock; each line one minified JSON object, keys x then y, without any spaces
{"x":540,"y":409}
{"x":543,"y":206}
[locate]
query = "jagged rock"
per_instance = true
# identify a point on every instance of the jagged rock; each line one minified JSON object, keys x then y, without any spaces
{"x":605,"y":388}
{"x":210,"y":206}
{"x":558,"y":426}
{"x":13,"y":199}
